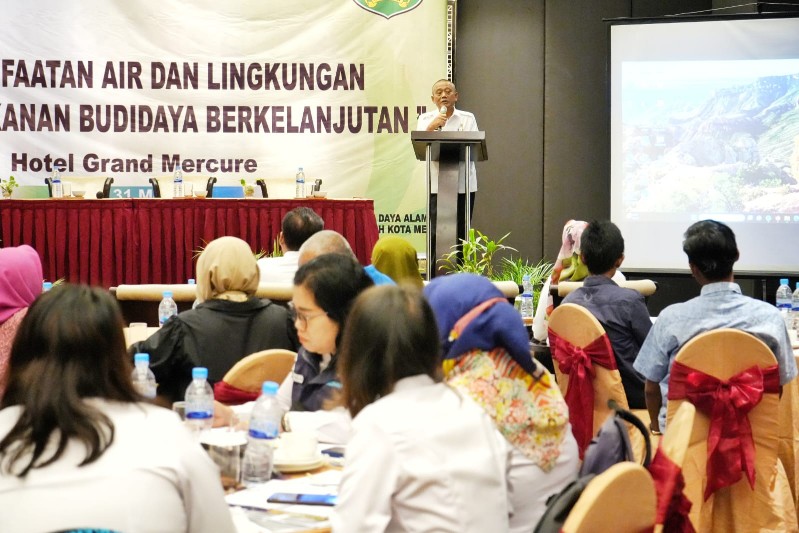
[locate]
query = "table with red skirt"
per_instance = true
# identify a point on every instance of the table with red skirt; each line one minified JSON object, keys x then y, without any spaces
{"x":109,"y":242}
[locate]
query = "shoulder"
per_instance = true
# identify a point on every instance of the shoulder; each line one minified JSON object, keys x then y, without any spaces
{"x":464,"y":114}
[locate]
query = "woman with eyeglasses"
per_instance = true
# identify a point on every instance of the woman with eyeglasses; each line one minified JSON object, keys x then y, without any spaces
{"x":324,"y":289}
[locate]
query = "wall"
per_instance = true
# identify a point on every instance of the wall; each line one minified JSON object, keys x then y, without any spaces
{"x":535,"y":75}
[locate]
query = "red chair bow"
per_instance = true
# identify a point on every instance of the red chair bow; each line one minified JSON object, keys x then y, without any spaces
{"x":577,"y":363}
{"x":673,"y":504}
{"x":730,"y":446}
{"x":230,"y":395}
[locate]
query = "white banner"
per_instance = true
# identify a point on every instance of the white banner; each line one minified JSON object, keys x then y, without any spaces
{"x":237,"y":89}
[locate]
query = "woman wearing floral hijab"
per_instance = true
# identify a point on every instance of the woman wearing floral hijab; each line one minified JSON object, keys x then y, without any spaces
{"x":228,"y":324}
{"x":486,"y":354}
{"x":20,"y":284}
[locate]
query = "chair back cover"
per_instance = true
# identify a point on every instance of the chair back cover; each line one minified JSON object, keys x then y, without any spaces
{"x":724,"y":354}
{"x":244,"y":380}
{"x":666,"y":469}
{"x":577,"y":326}
{"x":621,"y":499}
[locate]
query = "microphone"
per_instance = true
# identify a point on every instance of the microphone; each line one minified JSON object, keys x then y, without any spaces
{"x":443,"y":111}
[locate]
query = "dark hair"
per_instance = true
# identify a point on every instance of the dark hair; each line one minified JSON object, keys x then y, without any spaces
{"x":711,"y":248}
{"x":391,"y":334}
{"x":601,"y":245}
{"x":299,"y":224}
{"x":70,"y":346}
{"x":334,"y":280}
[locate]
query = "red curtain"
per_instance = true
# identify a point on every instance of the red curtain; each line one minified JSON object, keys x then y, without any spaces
{"x":109,"y":242}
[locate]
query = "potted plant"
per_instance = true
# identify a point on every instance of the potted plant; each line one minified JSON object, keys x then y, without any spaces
{"x":478,"y":258}
{"x":249,"y":190}
{"x":7,"y":187}
{"x":478,"y":254}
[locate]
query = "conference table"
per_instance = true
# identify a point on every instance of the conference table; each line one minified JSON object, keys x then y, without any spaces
{"x":111,"y":242}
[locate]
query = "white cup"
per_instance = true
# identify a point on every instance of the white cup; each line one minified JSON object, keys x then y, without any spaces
{"x":138,"y":324}
{"x":297,"y":446}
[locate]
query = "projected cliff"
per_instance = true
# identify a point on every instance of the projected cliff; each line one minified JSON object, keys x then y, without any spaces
{"x":711,"y":137}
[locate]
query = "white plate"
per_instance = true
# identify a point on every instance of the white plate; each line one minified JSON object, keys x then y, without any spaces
{"x":299,"y":466}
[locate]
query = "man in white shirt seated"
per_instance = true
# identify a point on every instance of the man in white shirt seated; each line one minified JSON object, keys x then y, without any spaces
{"x":297,"y":226}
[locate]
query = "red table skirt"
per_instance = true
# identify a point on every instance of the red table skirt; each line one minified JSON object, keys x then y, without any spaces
{"x":110,"y":242}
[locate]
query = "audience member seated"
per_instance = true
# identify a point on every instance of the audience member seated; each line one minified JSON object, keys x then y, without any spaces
{"x":622,"y":312}
{"x":324,"y":289}
{"x":568,"y":267}
{"x":297,"y":225}
{"x":487,"y":357}
{"x":396,"y":258}
{"x":422,"y":456}
{"x":331,"y":242}
{"x":228,"y":324}
{"x":712,"y":250}
{"x":20,"y":284}
{"x":79,"y":449}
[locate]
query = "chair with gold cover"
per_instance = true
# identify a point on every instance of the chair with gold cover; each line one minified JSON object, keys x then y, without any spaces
{"x":621,"y":499}
{"x":588,"y":375}
{"x":243,"y":382}
{"x":666,"y":468}
{"x":733,"y":478}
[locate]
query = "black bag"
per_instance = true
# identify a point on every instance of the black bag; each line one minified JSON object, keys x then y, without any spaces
{"x":611,"y":444}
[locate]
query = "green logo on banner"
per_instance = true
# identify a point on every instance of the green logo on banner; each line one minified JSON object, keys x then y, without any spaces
{"x":388,"y":8}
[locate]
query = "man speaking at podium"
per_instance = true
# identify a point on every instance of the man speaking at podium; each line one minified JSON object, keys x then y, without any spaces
{"x":446,"y":118}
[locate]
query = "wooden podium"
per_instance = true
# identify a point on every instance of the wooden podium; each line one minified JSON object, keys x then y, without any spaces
{"x":454,"y":151}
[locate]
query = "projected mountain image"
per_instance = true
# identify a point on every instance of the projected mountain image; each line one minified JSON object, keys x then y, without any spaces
{"x":711,"y":137}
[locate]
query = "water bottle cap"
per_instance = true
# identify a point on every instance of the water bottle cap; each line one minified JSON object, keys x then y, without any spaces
{"x":177,"y":166}
{"x":141,"y":358}
{"x":783,"y":281}
{"x":199,"y":372}
{"x":192,"y":281}
{"x":269,"y":388}
{"x":167,"y":294}
{"x":300,"y":170}
{"x":47,"y":285}
{"x":526,"y":277}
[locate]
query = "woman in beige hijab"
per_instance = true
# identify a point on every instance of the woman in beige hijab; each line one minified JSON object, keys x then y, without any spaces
{"x":228,"y":324}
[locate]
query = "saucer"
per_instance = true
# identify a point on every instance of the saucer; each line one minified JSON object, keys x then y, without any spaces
{"x":302,"y":465}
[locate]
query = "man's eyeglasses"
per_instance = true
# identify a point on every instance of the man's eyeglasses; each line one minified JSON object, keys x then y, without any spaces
{"x":304,"y":318}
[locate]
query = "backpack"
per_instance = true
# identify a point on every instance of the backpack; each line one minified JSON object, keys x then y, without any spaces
{"x":611,"y":445}
{"x":560,"y":505}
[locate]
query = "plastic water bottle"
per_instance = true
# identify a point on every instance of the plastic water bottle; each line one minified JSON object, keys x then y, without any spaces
{"x":47,"y":285}
{"x":527,"y":297}
{"x":795,"y":309}
{"x":199,"y":400}
{"x":167,"y":308}
{"x":143,"y":378}
{"x":58,"y":189}
{"x":784,"y":302}
{"x":264,"y":425}
{"x":299,"y":184}
{"x":177,"y":179}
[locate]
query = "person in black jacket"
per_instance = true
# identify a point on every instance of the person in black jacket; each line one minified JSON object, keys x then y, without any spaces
{"x":228,"y":324}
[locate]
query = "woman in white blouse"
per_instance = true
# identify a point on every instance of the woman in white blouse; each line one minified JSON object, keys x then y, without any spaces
{"x":422,"y":457}
{"x":78,"y":447}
